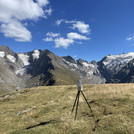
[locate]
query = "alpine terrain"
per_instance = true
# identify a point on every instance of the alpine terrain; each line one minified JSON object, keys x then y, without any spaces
{"x":38,"y":68}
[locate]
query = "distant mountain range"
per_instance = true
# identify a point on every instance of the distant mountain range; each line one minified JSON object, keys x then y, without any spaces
{"x":38,"y":68}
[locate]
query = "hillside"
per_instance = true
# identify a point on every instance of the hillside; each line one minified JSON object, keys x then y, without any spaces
{"x":47,"y":110}
{"x":44,"y":68}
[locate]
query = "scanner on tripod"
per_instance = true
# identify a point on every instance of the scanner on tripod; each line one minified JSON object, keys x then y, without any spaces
{"x":80,"y":88}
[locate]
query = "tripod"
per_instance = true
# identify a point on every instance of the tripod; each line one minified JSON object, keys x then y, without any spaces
{"x":77,"y":99}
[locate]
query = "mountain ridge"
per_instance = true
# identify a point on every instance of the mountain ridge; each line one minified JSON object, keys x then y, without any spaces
{"x":42,"y":67}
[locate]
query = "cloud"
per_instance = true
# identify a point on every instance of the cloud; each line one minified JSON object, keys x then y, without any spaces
{"x":58,"y":22}
{"x":81,"y":26}
{"x":16,"y":30}
{"x":48,"y":11}
{"x":72,"y":37}
{"x":62,"y":42}
{"x":59,"y":41}
{"x":51,"y":34}
{"x":16,"y":11}
{"x":76,"y":36}
{"x":48,"y":39}
{"x":42,"y":2}
{"x":130,"y":38}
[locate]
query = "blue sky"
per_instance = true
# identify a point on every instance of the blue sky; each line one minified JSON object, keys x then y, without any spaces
{"x":87,"y":29}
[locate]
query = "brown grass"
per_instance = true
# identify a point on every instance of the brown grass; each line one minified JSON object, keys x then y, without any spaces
{"x":112,"y":105}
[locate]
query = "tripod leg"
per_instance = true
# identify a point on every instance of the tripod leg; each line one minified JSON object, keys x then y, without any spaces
{"x":77,"y":104}
{"x":86,"y":101}
{"x":75,"y":101}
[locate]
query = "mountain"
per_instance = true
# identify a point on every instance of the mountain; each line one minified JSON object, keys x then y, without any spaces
{"x":112,"y":64}
{"x":38,"y":67}
{"x":125,"y":75}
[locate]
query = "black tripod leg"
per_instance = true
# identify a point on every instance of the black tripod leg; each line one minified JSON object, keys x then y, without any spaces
{"x":77,"y":105}
{"x":75,"y":102}
{"x":86,"y":101}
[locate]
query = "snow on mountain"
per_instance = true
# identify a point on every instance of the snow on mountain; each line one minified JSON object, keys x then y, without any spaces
{"x":36,"y":54}
{"x":115,"y":62}
{"x":73,"y":65}
{"x":24,"y":58}
{"x":11,"y":58}
{"x":82,"y":67}
{"x":2,"y":54}
{"x":88,"y":64}
{"x":20,"y":71}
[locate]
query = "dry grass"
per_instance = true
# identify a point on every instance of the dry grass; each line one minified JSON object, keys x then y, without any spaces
{"x":112,"y":105}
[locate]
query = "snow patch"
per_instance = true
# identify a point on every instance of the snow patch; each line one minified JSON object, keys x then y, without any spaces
{"x":36,"y":54}
{"x":24,"y":58}
{"x":2,"y":54}
{"x":20,"y":71}
{"x":88,"y":64}
{"x":90,"y":72}
{"x":85,"y":64}
{"x":71,"y":64}
{"x":11,"y":58}
{"x":116,"y":61}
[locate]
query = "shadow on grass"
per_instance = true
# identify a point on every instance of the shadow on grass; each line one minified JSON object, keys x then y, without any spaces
{"x":42,"y":124}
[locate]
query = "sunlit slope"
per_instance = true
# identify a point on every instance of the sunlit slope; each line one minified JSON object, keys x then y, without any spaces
{"x":47,"y":110}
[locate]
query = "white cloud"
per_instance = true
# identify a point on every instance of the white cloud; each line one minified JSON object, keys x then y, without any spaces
{"x":15,"y":11}
{"x":20,"y":10}
{"x":130,"y":38}
{"x":70,"y":22}
{"x":48,"y":11}
{"x":81,"y":26}
{"x":58,"y":22}
{"x":62,"y":42}
{"x":72,"y":37}
{"x":16,"y":30}
{"x":51,"y":34}
{"x":42,"y":2}
{"x":48,"y":39}
{"x":76,"y":36}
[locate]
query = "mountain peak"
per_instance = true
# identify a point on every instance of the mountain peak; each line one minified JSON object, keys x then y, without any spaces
{"x":7,"y":50}
{"x":69,"y":59}
{"x":47,"y":51}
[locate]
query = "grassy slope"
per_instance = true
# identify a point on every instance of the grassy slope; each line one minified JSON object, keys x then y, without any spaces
{"x":64,"y":76}
{"x":113,"y":110}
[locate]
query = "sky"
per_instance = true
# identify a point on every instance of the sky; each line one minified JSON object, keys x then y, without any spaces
{"x":87,"y":29}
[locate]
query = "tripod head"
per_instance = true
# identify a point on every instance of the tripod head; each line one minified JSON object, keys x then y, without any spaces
{"x":80,"y":85}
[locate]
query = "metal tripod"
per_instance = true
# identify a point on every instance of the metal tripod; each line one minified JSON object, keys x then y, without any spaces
{"x":77,"y":99}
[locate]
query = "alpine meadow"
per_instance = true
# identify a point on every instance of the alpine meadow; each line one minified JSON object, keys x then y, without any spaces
{"x":66,"y":67}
